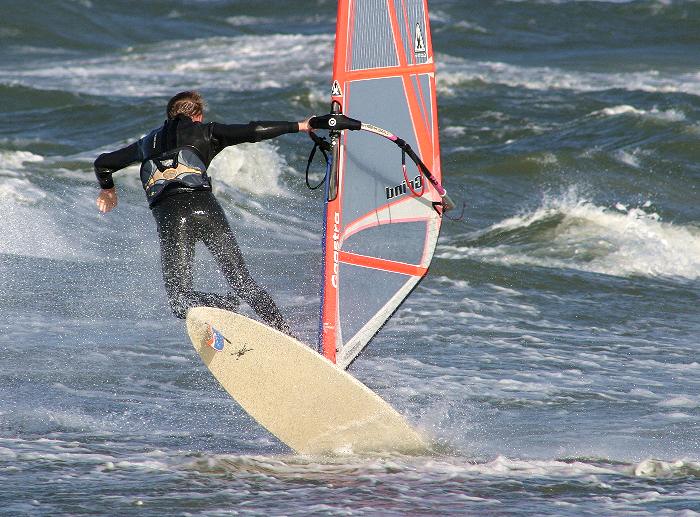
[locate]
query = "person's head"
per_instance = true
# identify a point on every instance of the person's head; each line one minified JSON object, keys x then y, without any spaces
{"x":186,"y":103}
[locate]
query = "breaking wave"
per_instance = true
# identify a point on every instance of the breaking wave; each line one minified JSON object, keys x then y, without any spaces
{"x":572,"y":232}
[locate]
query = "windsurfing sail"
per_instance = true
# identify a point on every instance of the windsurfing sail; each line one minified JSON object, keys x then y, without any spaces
{"x":381,"y":225}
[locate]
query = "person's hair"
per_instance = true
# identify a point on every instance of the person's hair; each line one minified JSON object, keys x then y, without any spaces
{"x":188,"y":103}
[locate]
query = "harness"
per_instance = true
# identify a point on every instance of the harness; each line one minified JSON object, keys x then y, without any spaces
{"x":182,"y":166}
{"x":166,"y":162}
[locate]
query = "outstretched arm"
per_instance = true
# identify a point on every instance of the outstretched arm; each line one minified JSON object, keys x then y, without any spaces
{"x":255,"y":131}
{"x":105,"y":165}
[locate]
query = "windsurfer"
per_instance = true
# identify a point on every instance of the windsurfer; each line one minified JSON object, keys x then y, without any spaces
{"x":174,"y":160}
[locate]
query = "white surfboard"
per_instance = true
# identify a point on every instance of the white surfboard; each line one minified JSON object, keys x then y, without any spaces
{"x":295,"y":393}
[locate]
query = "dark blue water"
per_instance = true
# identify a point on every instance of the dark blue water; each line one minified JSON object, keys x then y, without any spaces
{"x":551,"y":354}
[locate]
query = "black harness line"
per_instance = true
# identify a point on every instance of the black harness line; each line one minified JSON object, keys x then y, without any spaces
{"x":325,"y":147}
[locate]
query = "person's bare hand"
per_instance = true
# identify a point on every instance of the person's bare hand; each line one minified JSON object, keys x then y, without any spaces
{"x":107,"y":200}
{"x":304,"y":125}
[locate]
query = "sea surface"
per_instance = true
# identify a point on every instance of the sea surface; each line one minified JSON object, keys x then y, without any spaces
{"x":552,"y":354}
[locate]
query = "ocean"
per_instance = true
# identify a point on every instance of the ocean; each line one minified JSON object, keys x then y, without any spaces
{"x":551,"y":355}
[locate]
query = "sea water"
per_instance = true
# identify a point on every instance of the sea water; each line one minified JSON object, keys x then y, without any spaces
{"x":552,"y":353}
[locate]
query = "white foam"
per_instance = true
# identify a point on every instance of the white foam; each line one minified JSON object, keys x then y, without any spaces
{"x":663,"y":469}
{"x":454,"y":131}
{"x":29,"y":230}
{"x":242,"y":63}
{"x":243,"y":20}
{"x":627,"y":158}
{"x":454,"y":72}
{"x":21,"y":190}
{"x":597,"y":239}
{"x":23,"y":218}
{"x":670,"y":115}
{"x":680,"y":401}
{"x":500,"y":466}
{"x":640,"y":392}
{"x":10,"y":161}
{"x":544,"y":159}
{"x":253,"y":168}
{"x":14,"y":183}
{"x":438,"y":16}
{"x":470,"y":26}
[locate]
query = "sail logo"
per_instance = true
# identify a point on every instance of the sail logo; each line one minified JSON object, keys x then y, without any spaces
{"x":419,"y":47}
{"x":400,"y":190}
{"x":336,"y":250}
{"x":336,"y":91}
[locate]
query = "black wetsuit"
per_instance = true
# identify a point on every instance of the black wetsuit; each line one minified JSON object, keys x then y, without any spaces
{"x":186,"y":211}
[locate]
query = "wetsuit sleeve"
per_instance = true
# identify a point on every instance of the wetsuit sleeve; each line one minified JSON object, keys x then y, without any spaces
{"x":266,"y":129}
{"x":107,"y":163}
{"x":231,"y":134}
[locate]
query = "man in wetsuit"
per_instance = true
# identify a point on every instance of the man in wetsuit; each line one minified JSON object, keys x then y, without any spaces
{"x":174,"y":160}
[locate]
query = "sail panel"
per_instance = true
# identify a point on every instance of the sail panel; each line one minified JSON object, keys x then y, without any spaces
{"x":381,"y":228}
{"x":372,"y":39}
{"x":374,"y":164}
{"x":411,"y":20}
{"x":363,"y":293}
{"x":385,"y":241}
{"x":353,"y":347}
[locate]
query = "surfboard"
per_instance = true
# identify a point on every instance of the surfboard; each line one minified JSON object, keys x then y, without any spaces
{"x":298,"y":395}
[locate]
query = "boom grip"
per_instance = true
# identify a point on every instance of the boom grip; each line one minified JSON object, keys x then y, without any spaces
{"x":335,"y":122}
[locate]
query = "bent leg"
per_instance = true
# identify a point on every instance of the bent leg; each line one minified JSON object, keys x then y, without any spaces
{"x":223,"y":246}
{"x":180,"y":225}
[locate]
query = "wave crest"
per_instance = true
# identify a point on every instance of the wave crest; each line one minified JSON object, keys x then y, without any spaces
{"x":571,"y":232}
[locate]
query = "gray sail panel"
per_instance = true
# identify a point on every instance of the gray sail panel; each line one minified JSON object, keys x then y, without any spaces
{"x":426,"y":90}
{"x":364,"y":294}
{"x":386,"y":241}
{"x":411,"y":20}
{"x":372,"y":38}
{"x":374,"y":164}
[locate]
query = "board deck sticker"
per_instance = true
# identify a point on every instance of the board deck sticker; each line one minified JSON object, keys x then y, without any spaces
{"x":215,"y":339}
